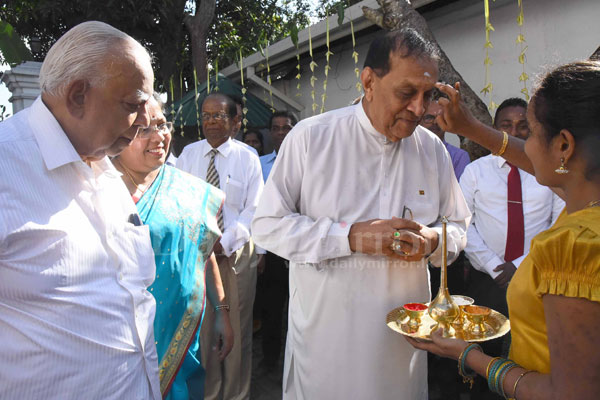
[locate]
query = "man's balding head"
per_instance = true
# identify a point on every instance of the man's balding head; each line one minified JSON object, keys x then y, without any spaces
{"x":96,"y":81}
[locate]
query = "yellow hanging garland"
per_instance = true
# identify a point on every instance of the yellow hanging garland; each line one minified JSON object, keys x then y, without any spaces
{"x":180,"y":110}
{"x":488,"y":87}
{"x":298,"y":75}
{"x":521,"y":42}
{"x":196,"y":95}
{"x":244,"y":108}
{"x":269,"y":78}
{"x":313,"y":78}
{"x":355,"y":57}
{"x":327,"y":68}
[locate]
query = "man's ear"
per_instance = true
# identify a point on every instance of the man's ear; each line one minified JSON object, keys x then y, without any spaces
{"x":368,"y":76}
{"x":76,"y":96}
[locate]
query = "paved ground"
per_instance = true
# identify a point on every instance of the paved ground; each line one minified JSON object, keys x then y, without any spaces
{"x":264,"y":386}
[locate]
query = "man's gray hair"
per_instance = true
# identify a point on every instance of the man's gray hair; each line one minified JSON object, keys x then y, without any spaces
{"x":80,"y":54}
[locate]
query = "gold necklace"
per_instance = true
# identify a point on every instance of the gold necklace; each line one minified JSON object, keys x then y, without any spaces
{"x":593,"y":204}
{"x":131,"y":179}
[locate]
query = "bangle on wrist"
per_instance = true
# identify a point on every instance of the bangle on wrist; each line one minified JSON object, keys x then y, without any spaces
{"x":467,"y":376}
{"x":222,"y":307}
{"x":514,"y":395}
{"x":504,"y":145}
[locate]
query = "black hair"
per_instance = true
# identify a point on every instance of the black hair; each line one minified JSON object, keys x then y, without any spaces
{"x":405,"y":42}
{"x":284,"y":114}
{"x":510,"y":102}
{"x":230,"y":108}
{"x":569,"y":98}
{"x":258,"y":134}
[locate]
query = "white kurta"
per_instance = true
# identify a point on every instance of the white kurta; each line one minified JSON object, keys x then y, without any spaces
{"x":333,"y":170}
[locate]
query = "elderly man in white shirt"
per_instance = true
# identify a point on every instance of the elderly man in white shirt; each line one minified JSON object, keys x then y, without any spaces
{"x":333,"y":205}
{"x":502,"y":227}
{"x":75,"y":316}
{"x":235,"y":169}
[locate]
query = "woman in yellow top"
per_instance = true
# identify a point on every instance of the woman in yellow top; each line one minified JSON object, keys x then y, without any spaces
{"x":554,"y":297}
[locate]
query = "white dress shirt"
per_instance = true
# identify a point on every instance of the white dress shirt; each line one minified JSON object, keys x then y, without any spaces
{"x":75,"y":317}
{"x":240,"y":178}
{"x":334,"y":170}
{"x":484,"y":184}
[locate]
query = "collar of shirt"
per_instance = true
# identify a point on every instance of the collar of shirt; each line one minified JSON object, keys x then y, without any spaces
{"x":55,"y":146}
{"x":500,"y":162}
{"x":269,"y":157}
{"x":366,"y":123}
{"x":224,"y":149}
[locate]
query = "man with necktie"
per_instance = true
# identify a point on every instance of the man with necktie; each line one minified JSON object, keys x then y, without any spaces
{"x":235,"y":169}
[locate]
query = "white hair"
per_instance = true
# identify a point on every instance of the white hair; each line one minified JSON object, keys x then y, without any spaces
{"x":80,"y":54}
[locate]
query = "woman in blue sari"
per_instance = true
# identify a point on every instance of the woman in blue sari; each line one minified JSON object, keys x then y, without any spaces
{"x":181,"y":212}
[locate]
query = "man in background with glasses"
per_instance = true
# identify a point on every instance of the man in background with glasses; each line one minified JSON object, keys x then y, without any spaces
{"x":235,"y":169}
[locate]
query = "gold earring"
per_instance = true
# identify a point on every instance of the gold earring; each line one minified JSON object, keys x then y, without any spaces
{"x":563,"y":168}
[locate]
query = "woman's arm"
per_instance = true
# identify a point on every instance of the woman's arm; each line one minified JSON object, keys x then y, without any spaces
{"x":573,"y":325}
{"x":457,"y":118}
{"x":216,"y":296}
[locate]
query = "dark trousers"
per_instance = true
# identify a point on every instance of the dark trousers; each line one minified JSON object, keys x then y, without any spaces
{"x":274,"y":292}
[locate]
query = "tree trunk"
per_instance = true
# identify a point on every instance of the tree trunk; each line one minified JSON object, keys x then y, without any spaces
{"x":198,"y":26}
{"x":596,"y":55}
{"x":397,"y":14}
{"x":173,"y":12}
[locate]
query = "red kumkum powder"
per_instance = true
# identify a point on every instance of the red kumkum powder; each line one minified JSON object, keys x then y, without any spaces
{"x":415,"y":307}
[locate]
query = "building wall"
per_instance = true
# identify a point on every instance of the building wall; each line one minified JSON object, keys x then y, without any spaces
{"x":556,"y":31}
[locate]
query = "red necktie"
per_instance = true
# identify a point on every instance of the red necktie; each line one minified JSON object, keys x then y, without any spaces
{"x":515,"y":234}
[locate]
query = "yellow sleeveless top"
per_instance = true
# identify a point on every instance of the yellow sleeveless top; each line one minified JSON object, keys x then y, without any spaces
{"x":564,"y":260}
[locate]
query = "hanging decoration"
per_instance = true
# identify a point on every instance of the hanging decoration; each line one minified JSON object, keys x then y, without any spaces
{"x":196,"y":95}
{"x":216,"y":89}
{"x":294,"y":37}
{"x":265,"y":53}
{"x":327,"y":67}
{"x":487,"y":62}
{"x":180,"y":110}
{"x":521,"y":42}
{"x":313,"y":78}
{"x":244,"y":108}
{"x":355,"y":57}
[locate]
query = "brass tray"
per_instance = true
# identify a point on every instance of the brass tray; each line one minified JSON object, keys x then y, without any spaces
{"x":397,"y":321}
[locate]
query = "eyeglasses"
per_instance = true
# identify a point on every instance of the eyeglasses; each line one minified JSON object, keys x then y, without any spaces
{"x":163,"y":129}
{"x":220,"y":116}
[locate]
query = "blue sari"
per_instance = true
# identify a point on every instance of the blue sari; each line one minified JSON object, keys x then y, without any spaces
{"x":180,"y":211}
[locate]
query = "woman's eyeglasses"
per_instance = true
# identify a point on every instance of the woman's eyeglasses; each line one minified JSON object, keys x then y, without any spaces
{"x":163,"y":129}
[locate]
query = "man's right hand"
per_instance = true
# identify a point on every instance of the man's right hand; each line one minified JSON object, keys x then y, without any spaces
{"x":376,"y":236}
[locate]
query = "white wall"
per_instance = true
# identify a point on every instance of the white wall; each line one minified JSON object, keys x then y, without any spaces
{"x":557,"y":32}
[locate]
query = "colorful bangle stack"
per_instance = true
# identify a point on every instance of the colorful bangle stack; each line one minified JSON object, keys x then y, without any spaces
{"x":497,"y":373}
{"x":462,"y":370}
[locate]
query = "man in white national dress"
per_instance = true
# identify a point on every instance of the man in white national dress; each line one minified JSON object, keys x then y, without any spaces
{"x":339,"y":205}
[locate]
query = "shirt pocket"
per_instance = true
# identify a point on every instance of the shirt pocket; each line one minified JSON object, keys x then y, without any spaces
{"x":137,"y":249}
{"x":234,"y":192}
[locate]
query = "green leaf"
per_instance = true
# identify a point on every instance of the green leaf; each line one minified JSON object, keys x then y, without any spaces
{"x":12,"y":46}
{"x":340,"y":13}
{"x":294,"y":35}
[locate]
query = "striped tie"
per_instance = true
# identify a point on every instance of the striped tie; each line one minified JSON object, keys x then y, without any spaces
{"x":212,"y":177}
